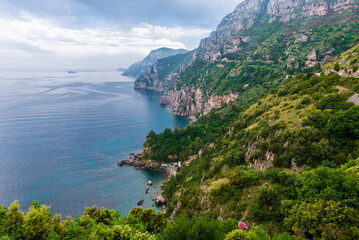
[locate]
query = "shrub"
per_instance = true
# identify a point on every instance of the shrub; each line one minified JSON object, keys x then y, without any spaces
{"x":345,"y":124}
{"x":238,"y":234}
{"x":153,"y":222}
{"x":336,"y":67}
{"x":268,"y":195}
{"x":305,"y":100}
{"x":322,"y":220}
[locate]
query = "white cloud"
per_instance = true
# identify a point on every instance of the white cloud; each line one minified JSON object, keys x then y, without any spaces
{"x":147,"y":30}
{"x":32,"y":37}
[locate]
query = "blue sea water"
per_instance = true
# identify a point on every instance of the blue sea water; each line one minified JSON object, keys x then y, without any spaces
{"x":61,"y":136}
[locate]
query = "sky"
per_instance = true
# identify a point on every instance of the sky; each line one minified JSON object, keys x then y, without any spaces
{"x":100,"y":34}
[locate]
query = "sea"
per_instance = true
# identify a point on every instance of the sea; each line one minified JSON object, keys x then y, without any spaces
{"x":62,"y":134}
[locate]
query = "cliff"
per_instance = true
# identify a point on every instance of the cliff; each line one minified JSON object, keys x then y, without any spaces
{"x":259,"y":43}
{"x":307,"y":123}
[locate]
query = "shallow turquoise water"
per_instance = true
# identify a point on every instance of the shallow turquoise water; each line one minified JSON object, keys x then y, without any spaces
{"x":61,"y":136}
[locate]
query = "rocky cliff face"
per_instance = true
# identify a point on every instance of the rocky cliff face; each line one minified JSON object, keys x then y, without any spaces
{"x":231,"y":31}
{"x":287,"y":36}
{"x":190,"y":101}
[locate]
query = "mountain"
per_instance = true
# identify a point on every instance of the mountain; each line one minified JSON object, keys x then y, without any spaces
{"x":160,"y":76}
{"x":282,"y":162}
{"x":260,"y":44}
{"x":141,"y":67}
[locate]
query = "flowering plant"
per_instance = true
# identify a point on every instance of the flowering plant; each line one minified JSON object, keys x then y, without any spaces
{"x":242,"y":225}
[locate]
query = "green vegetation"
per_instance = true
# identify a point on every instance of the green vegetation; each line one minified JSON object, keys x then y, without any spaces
{"x":347,"y":62}
{"x":271,"y":52}
{"x":322,"y":206}
{"x":282,"y":158}
{"x":39,"y":222}
{"x":303,"y":135}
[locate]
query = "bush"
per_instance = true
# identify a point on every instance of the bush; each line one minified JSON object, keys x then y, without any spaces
{"x":238,"y":234}
{"x":305,"y":100}
{"x":323,"y":220}
{"x":336,"y":67}
{"x":268,"y":195}
{"x":153,"y":222}
{"x":344,"y":124}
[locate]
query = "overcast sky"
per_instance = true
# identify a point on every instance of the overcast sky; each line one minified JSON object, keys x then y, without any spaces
{"x":100,"y":34}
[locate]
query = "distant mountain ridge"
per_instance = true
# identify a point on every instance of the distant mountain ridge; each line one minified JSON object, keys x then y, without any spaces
{"x":140,"y":68}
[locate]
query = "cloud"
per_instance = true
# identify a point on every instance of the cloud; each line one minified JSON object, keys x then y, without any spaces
{"x":32,"y":37}
{"x":41,"y":34}
{"x":106,"y":33}
{"x":147,"y":30}
{"x":202,"y":13}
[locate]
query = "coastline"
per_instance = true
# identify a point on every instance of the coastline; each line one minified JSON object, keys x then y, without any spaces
{"x":168,"y":169}
{"x":149,"y":165}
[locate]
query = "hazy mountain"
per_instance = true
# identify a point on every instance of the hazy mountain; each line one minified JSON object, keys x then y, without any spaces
{"x":141,"y":67}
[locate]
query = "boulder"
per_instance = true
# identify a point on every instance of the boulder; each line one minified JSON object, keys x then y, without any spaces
{"x":161,"y":200}
{"x":149,"y":183}
{"x":140,"y":202}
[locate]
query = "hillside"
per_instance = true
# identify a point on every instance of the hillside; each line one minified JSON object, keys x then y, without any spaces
{"x":140,"y":68}
{"x":292,"y":150}
{"x":258,"y":45}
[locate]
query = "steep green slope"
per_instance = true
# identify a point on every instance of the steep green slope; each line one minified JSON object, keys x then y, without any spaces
{"x":311,"y":121}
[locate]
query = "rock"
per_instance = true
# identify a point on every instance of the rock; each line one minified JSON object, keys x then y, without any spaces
{"x":140,"y":202}
{"x":153,"y":166}
{"x":161,"y":200}
{"x":132,"y":154}
{"x":149,"y":183}
{"x":146,"y":192}
{"x":176,"y":210}
{"x":124,"y":162}
{"x":147,"y":188}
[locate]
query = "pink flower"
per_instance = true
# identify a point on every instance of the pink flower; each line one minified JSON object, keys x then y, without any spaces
{"x":242,"y":225}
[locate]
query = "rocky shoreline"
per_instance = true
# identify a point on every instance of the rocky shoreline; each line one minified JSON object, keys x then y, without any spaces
{"x":152,"y":166}
{"x":142,"y":165}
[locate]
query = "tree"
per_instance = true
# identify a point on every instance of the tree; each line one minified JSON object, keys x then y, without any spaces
{"x":345,"y":124}
{"x":323,"y":220}
{"x":153,"y":222}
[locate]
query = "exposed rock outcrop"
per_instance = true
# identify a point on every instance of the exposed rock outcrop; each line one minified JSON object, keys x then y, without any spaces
{"x":153,"y":166}
{"x":190,"y":101}
{"x":161,"y":200}
{"x":343,"y":72}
